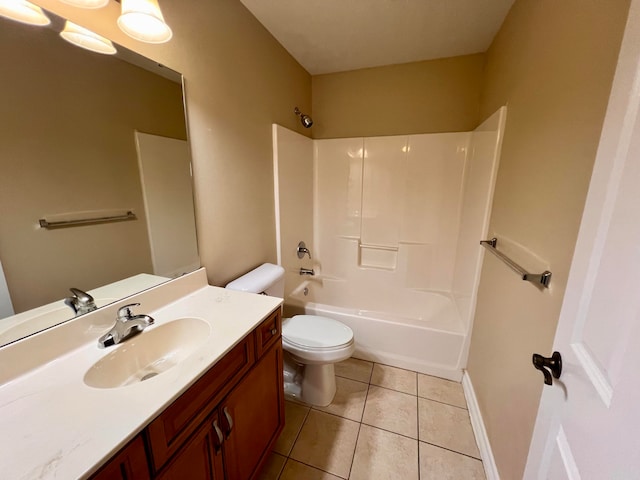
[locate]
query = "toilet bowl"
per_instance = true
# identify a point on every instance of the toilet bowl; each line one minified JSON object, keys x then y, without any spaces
{"x":313,"y":344}
{"x":316,"y":343}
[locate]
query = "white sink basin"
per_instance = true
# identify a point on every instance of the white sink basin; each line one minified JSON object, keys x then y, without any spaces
{"x":148,"y":354}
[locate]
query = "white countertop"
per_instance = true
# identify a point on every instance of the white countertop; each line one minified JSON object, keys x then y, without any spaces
{"x":55,"y":426}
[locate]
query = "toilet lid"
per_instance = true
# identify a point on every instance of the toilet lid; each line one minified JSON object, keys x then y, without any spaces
{"x":312,"y":331}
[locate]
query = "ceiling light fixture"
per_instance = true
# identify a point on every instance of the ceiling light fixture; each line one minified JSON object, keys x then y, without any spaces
{"x":86,"y":3}
{"x":143,"y":20}
{"x":86,"y":39}
{"x":24,"y":12}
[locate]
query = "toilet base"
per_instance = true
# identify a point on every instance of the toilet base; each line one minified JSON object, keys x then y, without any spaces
{"x":318,"y":384}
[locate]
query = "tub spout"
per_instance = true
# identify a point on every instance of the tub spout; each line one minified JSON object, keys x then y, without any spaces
{"x":307,"y":271}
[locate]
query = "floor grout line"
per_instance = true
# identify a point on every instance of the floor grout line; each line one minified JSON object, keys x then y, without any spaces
{"x":391,"y":431}
{"x":353,"y":379}
{"x":444,"y":403}
{"x":450,"y":450}
{"x":353,"y":458}
{"x":392,"y":390}
{"x":316,"y":468}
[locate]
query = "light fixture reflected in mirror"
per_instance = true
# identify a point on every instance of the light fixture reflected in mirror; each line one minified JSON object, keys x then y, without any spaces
{"x":86,"y":3}
{"x":143,"y":20}
{"x":24,"y":12}
{"x":86,"y":39}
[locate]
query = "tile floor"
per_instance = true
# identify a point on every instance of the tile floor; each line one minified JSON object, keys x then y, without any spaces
{"x":384,"y":423}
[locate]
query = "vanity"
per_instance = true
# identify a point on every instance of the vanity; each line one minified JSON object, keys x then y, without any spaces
{"x":198,"y":395}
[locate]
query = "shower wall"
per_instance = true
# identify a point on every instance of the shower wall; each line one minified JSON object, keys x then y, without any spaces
{"x":387,"y":211}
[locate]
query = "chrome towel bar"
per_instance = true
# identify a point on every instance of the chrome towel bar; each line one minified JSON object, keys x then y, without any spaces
{"x":536,"y":278}
{"x":87,"y":221}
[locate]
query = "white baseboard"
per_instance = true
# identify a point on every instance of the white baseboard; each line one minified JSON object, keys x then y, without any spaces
{"x":489,"y":463}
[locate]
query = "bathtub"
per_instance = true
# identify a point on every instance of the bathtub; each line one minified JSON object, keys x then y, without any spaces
{"x":414,"y":329}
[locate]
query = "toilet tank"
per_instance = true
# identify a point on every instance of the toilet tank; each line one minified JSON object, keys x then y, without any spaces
{"x":267,"y":278}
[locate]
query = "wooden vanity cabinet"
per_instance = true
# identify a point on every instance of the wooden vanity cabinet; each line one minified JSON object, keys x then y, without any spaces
{"x":130,"y":463}
{"x":224,"y":426}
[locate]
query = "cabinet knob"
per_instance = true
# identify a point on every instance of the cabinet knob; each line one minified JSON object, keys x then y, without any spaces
{"x":274,"y":331}
{"x":218,"y":444}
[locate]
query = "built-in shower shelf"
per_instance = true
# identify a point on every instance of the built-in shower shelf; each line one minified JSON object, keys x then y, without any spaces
{"x":384,"y":257}
{"x":541,"y":279}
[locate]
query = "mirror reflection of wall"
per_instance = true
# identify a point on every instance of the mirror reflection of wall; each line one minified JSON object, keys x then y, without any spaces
{"x":68,"y":146}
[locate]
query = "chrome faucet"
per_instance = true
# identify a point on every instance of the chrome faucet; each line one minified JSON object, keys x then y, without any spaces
{"x":302,"y":250}
{"x":80,"y":302}
{"x":307,"y":271}
{"x":126,"y":325}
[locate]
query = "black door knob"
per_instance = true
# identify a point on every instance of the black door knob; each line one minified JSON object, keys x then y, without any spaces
{"x":553,"y":364}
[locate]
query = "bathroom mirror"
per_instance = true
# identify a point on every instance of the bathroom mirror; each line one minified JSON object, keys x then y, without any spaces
{"x":87,"y":136}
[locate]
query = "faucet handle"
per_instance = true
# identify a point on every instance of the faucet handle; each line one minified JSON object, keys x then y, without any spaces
{"x":124,"y":313}
{"x":82,"y":297}
{"x":302,"y":250}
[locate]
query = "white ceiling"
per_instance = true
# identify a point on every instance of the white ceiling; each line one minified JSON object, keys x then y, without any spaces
{"x":328,"y":36}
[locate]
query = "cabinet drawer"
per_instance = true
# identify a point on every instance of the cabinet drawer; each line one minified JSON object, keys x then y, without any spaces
{"x":268,"y":332}
{"x":169,"y":431}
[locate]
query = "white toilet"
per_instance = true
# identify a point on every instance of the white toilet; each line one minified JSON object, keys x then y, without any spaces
{"x":312,"y":342}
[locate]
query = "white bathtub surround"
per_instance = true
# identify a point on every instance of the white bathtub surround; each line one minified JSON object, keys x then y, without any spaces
{"x":293,"y":192}
{"x":397,"y":225}
{"x":54,"y":425}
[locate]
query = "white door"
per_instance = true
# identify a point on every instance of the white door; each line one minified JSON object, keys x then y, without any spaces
{"x":588,"y":424}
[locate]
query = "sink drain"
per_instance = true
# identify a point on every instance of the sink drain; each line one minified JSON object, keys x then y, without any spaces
{"x":148,"y":376}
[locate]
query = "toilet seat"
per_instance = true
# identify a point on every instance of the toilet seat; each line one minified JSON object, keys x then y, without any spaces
{"x":315,"y":332}
{"x":316,"y":339}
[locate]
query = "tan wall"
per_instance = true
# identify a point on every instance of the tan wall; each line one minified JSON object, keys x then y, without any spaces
{"x":552,"y":63}
{"x":239,"y":81}
{"x":66,"y":146}
{"x":422,"y":97}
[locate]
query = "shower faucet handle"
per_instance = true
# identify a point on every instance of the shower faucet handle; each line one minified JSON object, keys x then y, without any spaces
{"x":303,"y":250}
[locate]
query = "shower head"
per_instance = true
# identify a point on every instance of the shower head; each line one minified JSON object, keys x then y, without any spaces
{"x":305,"y":119}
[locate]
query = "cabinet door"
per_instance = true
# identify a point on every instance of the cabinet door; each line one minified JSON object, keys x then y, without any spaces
{"x":129,"y":464}
{"x":168,"y":432}
{"x":200,"y":458}
{"x":253,"y":416}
